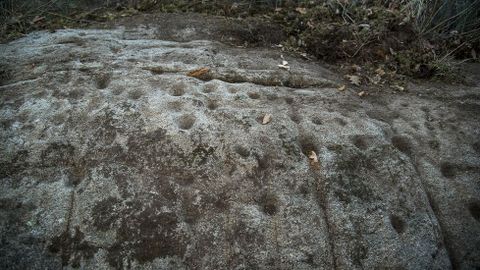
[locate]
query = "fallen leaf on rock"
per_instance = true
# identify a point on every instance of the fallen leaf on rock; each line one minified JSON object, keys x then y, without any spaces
{"x":354,"y":79}
{"x":284,"y":65}
{"x":362,"y":94}
{"x":301,"y":10}
{"x":266,"y":119}
{"x":313,"y":157}
{"x":198,"y":73}
{"x":342,"y":87}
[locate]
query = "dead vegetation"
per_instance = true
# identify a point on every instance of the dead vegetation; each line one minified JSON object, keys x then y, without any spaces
{"x":379,"y":41}
{"x":383,"y":40}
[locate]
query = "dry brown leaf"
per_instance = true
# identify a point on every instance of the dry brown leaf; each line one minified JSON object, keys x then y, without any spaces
{"x":266,"y":119}
{"x":342,"y":88}
{"x":354,"y":79}
{"x":198,"y":73}
{"x":313,"y":157}
{"x":362,"y":94}
{"x":301,"y":10}
{"x":380,"y":71}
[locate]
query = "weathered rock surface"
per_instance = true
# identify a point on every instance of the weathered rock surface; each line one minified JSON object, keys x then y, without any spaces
{"x":111,"y":157}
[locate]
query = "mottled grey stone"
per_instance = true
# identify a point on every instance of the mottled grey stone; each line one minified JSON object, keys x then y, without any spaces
{"x":111,"y":157}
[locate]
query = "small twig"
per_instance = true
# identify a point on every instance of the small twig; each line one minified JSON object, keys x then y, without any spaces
{"x":359,"y":48}
{"x":470,"y":32}
{"x":345,"y":13}
{"x":452,"y":51}
{"x":68,"y":18}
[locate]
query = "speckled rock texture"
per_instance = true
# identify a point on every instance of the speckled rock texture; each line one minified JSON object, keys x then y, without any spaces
{"x":113,"y":158}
